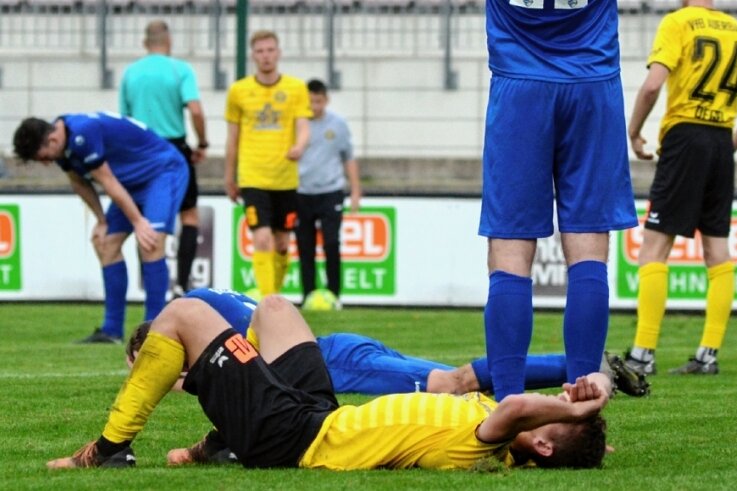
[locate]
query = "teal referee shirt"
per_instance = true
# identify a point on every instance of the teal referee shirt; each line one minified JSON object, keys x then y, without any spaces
{"x":155,"y":90}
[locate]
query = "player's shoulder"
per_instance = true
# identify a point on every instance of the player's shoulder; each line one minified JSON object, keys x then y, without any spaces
{"x":181,"y":65}
{"x":135,"y":64}
{"x":244,"y":83}
{"x":725,"y":19}
{"x":83,"y":130}
{"x":688,"y":13}
{"x":336,"y":119}
{"x":683,"y":13}
{"x":80,"y":122}
{"x":337,"y":116}
{"x":684,"y":19}
{"x":290,"y":81}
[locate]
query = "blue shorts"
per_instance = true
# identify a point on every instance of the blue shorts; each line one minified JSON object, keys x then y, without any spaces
{"x":158,"y":200}
{"x":553,"y":142}
{"x":366,"y":366}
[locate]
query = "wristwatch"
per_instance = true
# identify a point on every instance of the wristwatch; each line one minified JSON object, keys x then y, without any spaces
{"x":203,"y":145}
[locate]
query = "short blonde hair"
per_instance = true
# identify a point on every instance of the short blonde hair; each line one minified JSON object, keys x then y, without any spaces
{"x":259,"y":35}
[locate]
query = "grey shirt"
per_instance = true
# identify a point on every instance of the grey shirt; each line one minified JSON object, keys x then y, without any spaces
{"x":321,"y":166}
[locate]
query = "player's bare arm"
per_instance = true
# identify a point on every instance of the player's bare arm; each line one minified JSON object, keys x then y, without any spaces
{"x":197,"y":117}
{"x":87,"y":192}
{"x":354,"y":178}
{"x":647,"y":96}
{"x":597,"y":383}
{"x":524,"y":412}
{"x":147,"y":237}
{"x":231,"y":155}
{"x":302,"y":139}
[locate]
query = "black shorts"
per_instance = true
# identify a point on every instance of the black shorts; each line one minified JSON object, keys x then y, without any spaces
{"x":267,"y":414}
{"x":190,"y":197}
{"x":326,"y":207}
{"x":274,"y":209}
{"x":693,"y":186}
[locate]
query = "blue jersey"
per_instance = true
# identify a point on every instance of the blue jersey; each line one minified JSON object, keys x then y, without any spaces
{"x":553,"y":40}
{"x":236,"y":308}
{"x":134,"y":153}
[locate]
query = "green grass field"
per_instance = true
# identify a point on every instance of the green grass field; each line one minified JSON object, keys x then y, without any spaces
{"x":54,"y":396}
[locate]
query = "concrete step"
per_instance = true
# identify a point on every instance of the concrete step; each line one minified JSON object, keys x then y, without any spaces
{"x":378,"y":176}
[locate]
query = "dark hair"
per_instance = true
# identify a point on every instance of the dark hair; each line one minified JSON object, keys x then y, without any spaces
{"x":317,"y":87}
{"x":137,"y":338}
{"x":583,"y":447}
{"x":29,"y":137}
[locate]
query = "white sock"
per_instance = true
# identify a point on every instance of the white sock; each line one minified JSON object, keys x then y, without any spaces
{"x":706,"y":355}
{"x":643,"y":355}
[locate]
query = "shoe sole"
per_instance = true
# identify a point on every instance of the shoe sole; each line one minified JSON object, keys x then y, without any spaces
{"x":623,"y":375}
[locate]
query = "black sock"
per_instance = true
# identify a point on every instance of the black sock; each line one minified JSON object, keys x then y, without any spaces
{"x":106,"y":448}
{"x":186,"y":254}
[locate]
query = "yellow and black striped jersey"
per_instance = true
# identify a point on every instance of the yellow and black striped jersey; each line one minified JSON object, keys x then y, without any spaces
{"x":433,"y":431}
{"x":699,"y":47}
{"x":266,"y":115}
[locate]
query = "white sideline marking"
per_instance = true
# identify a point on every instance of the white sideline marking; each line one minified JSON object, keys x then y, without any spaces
{"x":18,"y":376}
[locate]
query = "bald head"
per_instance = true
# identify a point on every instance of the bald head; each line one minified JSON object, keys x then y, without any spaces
{"x":157,"y":37}
{"x":698,"y":3}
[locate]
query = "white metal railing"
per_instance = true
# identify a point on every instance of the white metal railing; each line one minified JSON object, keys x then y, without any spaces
{"x":330,"y":29}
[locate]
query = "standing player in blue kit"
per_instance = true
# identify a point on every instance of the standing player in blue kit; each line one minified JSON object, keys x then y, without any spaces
{"x":144,"y":176}
{"x":555,"y":133}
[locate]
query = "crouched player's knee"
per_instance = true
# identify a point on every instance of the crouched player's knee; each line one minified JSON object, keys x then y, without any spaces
{"x":276,"y":314}
{"x":273,"y":303}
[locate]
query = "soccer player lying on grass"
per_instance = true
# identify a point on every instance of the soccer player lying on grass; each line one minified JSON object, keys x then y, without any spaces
{"x":359,"y":364}
{"x":275,"y":407}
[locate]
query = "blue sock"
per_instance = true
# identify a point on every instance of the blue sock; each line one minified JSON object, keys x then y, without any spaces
{"x":481,"y":369}
{"x":156,"y":283}
{"x":508,"y":323}
{"x":542,"y":371}
{"x":586,"y":318}
{"x":115,"y":281}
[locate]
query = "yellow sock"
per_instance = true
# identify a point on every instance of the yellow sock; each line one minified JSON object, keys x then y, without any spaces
{"x":251,"y":337}
{"x":651,"y":304}
{"x":155,"y":370}
{"x":281,"y":264}
{"x":263,"y":271}
{"x":719,"y":297}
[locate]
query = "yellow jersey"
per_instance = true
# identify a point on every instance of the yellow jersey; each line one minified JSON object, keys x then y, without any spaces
{"x":266,"y":115}
{"x":432,"y":431}
{"x":699,"y":48}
